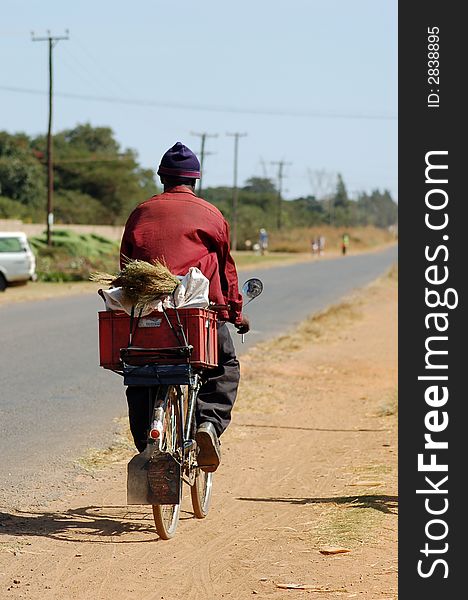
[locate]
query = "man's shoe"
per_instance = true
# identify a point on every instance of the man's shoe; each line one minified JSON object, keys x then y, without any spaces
{"x":209,"y":455}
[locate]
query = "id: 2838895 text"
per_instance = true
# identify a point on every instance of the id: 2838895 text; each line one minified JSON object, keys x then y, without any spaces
{"x":433,"y":71}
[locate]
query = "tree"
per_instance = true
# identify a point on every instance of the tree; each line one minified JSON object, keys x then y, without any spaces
{"x":340,"y":198}
{"x":322,"y":183}
{"x":377,"y":208}
{"x":340,"y":207}
{"x":304,"y":212}
{"x":88,"y":139}
{"x":21,"y":176}
{"x":260,"y":184}
{"x":89,"y":161}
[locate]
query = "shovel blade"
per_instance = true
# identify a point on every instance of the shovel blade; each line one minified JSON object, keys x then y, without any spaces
{"x":153,"y":478}
{"x":137,"y":479}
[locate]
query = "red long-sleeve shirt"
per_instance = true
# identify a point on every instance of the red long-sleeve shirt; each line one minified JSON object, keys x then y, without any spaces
{"x":185,"y":231}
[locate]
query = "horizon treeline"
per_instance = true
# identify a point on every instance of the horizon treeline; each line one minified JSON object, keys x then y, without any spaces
{"x":97,"y":182}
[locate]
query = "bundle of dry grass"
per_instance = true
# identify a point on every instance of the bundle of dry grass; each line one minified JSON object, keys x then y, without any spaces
{"x":141,"y":282}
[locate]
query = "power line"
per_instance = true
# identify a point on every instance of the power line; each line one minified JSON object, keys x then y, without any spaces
{"x":52,"y":41}
{"x":203,"y":137}
{"x":235,"y":191}
{"x":95,"y":82}
{"x":266,"y":112}
{"x":97,"y":64}
{"x":80,"y":74}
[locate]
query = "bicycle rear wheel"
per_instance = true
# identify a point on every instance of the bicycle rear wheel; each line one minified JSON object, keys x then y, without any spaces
{"x":166,"y":516}
{"x":201,"y":493}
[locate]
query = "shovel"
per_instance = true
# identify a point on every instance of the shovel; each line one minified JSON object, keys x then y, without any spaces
{"x":153,"y":477}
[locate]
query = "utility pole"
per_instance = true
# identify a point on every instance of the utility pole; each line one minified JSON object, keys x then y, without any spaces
{"x":203,"y":137}
{"x":331,"y":207}
{"x":52,"y":41}
{"x":235,"y":191}
{"x":281,"y":164}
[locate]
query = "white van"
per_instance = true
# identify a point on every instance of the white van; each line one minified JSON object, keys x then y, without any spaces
{"x":17,"y":261}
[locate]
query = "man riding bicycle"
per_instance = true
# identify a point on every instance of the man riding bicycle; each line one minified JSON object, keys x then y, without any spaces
{"x":182,"y":230}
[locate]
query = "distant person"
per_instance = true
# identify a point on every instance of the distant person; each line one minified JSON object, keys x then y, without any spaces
{"x":248,"y":245}
{"x":321,"y":245}
{"x":344,"y":244}
{"x":263,"y":240}
{"x":315,"y":246}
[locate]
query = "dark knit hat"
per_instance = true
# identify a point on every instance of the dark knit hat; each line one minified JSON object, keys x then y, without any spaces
{"x":179,"y":161}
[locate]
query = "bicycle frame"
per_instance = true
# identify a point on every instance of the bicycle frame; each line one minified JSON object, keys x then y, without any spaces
{"x":180,"y":461}
{"x":186,"y":404}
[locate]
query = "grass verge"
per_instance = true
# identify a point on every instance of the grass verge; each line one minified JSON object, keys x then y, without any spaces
{"x":73,"y":256}
{"x":121,"y":449}
{"x":300,"y":239}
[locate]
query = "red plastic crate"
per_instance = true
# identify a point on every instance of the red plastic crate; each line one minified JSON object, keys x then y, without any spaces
{"x":153,"y":331}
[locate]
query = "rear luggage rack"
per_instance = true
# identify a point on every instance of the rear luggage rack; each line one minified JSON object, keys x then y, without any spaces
{"x":154,"y":374}
{"x":138,"y":356}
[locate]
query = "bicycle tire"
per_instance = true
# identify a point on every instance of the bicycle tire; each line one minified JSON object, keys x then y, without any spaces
{"x":166,"y":516}
{"x":201,"y":492}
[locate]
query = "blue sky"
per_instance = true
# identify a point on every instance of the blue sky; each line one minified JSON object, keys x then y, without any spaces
{"x":311,"y":82}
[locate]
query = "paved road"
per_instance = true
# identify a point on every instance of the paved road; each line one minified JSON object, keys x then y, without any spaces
{"x":54,"y":400}
{"x":291,"y":293}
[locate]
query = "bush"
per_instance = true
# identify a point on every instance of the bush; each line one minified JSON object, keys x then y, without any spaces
{"x":74,"y":256}
{"x":72,"y":207}
{"x":12,"y":209}
{"x":61,"y":267}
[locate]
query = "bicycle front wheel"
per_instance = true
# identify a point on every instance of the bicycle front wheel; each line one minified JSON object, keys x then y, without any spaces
{"x":166,"y":516}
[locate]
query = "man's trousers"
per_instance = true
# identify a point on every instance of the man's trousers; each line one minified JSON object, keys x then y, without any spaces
{"x":215,"y":399}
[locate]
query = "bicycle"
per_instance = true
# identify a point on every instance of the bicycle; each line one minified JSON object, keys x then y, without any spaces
{"x":173,"y":376}
{"x":170,"y":457}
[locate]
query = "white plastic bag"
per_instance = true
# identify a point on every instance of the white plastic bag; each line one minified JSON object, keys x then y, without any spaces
{"x":192,"y":292}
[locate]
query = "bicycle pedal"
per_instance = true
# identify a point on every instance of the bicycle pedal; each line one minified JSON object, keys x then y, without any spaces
{"x":164,"y":476}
